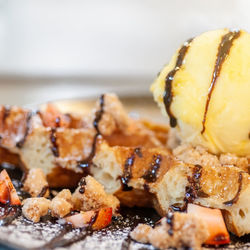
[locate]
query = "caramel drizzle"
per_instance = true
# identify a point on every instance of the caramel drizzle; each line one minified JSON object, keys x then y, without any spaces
{"x":223,"y":51}
{"x":98,"y":116}
{"x":127,"y":174}
{"x":168,"y":94}
{"x":28,"y":120}
{"x":237,"y":195}
{"x":151,"y":174}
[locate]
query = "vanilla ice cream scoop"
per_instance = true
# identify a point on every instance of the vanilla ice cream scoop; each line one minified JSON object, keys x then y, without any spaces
{"x":205,"y":90}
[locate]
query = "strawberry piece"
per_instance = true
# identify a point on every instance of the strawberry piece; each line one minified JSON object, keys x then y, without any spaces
{"x":8,"y":192}
{"x":218,"y":234}
{"x":4,"y":193}
{"x":82,"y":219}
{"x":103,"y":219}
{"x":96,"y":219}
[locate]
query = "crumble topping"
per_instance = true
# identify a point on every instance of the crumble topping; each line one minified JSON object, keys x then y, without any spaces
{"x":199,"y":155}
{"x":34,"y":208}
{"x":60,"y":207}
{"x":90,"y":195}
{"x":36,"y":184}
{"x":183,"y":230}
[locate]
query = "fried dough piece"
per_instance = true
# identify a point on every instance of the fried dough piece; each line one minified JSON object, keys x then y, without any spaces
{"x":170,"y":184}
{"x":58,"y":143}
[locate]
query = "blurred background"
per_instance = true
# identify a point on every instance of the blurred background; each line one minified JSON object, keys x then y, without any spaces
{"x":56,"y":49}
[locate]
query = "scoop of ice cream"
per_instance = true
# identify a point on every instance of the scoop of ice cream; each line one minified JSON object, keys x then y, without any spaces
{"x":205,"y":90}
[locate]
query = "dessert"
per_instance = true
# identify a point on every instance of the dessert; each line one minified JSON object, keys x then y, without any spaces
{"x":194,"y":174}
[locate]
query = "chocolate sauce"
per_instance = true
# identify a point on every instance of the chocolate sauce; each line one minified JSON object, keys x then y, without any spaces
{"x":177,"y":208}
{"x":168,"y":94}
{"x":43,"y":191}
{"x":193,"y":190}
{"x":93,"y":219}
{"x":223,"y":51}
{"x":54,"y":147}
{"x":127,"y":172}
{"x":98,"y":116}
{"x":125,"y":178}
{"x":151,"y":174}
{"x":61,"y":242}
{"x":170,"y":222}
{"x":146,"y":187}
{"x":58,"y":122}
{"x":8,"y":214}
{"x":28,"y":120}
{"x":82,"y":185}
{"x":236,"y":197}
{"x":138,"y":152}
{"x":126,"y":243}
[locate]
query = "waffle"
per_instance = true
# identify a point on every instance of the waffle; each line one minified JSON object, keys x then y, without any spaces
{"x":63,"y":144}
{"x":127,"y":156}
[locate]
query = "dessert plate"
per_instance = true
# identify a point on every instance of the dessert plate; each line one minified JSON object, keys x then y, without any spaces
{"x":48,"y":234}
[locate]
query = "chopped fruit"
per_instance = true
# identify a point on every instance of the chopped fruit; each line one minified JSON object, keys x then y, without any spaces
{"x":8,"y":193}
{"x":82,"y":219}
{"x":96,"y":219}
{"x":218,"y":234}
{"x":103,"y":219}
{"x":4,"y":192}
{"x":52,"y":117}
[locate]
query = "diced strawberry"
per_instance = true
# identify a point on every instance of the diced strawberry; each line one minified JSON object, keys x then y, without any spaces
{"x":82,"y":219}
{"x":8,"y":192}
{"x":96,"y":219}
{"x":215,"y":224}
{"x":103,"y":219}
{"x":4,"y":192}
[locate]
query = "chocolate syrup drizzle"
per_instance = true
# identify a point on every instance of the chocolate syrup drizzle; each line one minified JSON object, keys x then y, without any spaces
{"x":127,"y":173}
{"x":59,"y":241}
{"x":43,"y":191}
{"x":54,"y":147}
{"x":82,"y":185}
{"x":168,"y":94}
{"x":170,"y":222}
{"x":28,"y":120}
{"x":223,"y":51}
{"x":98,"y":116}
{"x":236,"y":197}
{"x":10,"y":214}
{"x":151,"y":174}
{"x":193,"y":190}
